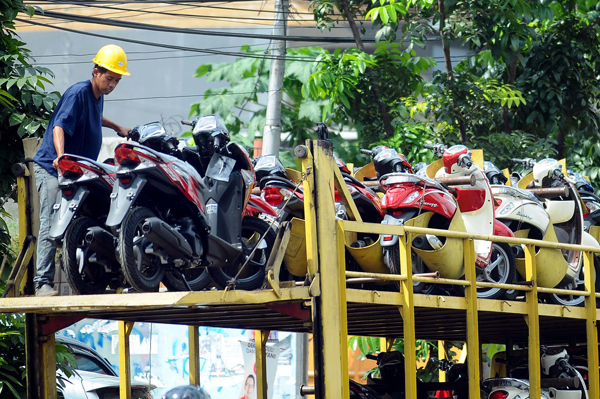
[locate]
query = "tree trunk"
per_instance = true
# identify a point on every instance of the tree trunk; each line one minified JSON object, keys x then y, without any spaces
{"x":512,"y":76}
{"x":450,"y":71}
{"x":385,"y":116}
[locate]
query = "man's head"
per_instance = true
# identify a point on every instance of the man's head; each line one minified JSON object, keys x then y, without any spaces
{"x":105,"y":80}
{"x":110,"y":65}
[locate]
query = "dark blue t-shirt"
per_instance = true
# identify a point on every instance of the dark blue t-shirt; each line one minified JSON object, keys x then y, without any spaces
{"x":79,"y":113}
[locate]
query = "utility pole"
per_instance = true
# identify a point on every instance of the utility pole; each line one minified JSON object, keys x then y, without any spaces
{"x":272,"y":132}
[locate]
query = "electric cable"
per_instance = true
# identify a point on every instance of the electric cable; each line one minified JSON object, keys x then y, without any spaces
{"x":201,"y":32}
{"x":169,"y":46}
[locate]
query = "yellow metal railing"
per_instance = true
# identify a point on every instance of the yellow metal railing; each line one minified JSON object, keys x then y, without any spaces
{"x":318,"y":211}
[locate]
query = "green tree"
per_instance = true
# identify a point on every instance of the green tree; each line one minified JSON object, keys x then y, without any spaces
{"x":242,"y":103}
{"x":25,"y":105}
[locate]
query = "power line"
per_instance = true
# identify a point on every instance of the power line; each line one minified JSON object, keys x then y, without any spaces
{"x":169,"y":46}
{"x":184,"y":2}
{"x":202,"y":32}
{"x":200,"y":96}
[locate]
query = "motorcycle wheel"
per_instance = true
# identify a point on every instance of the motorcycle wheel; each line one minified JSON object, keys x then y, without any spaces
{"x":93,"y":278}
{"x":391,"y":257}
{"x":253,"y":274}
{"x":198,"y":280}
{"x":504,"y":272}
{"x":144,"y":272}
{"x":578,"y":284}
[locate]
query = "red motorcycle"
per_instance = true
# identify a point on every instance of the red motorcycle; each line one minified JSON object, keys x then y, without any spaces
{"x":424,"y":202}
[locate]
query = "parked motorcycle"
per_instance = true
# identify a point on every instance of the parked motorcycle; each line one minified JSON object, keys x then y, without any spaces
{"x":174,"y":223}
{"x":455,"y":373}
{"x":78,"y":224}
{"x":554,"y":364}
{"x":564,"y":213}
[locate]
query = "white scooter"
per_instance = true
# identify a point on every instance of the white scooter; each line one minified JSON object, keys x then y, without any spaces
{"x":495,"y":261}
{"x":555,"y":364}
{"x":556,"y":215}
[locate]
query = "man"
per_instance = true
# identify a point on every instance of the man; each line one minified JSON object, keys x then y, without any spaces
{"x":74,"y":128}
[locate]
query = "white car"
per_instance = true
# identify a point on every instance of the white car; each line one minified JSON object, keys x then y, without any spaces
{"x":95,"y":377}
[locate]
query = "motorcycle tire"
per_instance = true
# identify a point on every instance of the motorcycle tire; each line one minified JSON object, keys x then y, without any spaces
{"x":144,"y":272}
{"x":570,"y":300}
{"x":93,"y":278}
{"x":200,"y":280}
{"x":254,"y":274}
{"x":391,"y":256}
{"x":509,"y":276}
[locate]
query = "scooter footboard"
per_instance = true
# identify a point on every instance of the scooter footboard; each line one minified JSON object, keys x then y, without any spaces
{"x":551,"y":264}
{"x":295,"y":254}
{"x":448,"y":259}
{"x":370,"y":257}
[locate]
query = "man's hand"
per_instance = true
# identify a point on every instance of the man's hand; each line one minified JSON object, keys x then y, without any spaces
{"x":122,"y":131}
{"x":55,"y":163}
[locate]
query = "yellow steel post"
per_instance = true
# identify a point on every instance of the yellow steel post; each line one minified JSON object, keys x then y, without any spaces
{"x":125,"y":328}
{"x":194,"y":345}
{"x":473,"y":345}
{"x":442,"y":356}
{"x":310,"y":216}
{"x":331,"y":323}
{"x":260,"y":342}
{"x":533,"y":322}
{"x":591,"y":325}
{"x":23,"y":201}
{"x":48,"y":361}
{"x":408,"y":318}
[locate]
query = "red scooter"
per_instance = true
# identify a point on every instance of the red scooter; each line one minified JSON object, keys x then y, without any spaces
{"x":424,"y":202}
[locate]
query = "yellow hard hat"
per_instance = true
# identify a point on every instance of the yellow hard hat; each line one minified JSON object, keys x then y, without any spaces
{"x":113,"y":58}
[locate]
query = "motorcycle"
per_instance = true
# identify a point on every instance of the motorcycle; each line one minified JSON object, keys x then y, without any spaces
{"x":283,"y":194}
{"x":559,"y":218}
{"x":78,"y":224}
{"x":180,"y":227}
{"x":421,"y":201}
{"x":455,"y":373}
{"x":554,"y":364}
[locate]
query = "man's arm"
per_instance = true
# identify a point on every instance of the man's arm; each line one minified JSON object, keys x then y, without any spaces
{"x":58,"y":134}
{"x":121,"y":131}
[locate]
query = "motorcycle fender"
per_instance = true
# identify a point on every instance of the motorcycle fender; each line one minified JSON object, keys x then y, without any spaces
{"x":391,"y":220}
{"x":122,"y":200}
{"x":595,"y":232}
{"x":65,"y":211}
{"x":589,"y":240}
{"x":447,"y":260}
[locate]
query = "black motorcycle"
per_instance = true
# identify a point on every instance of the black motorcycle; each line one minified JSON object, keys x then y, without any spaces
{"x":180,"y":212}
{"x":78,"y":224}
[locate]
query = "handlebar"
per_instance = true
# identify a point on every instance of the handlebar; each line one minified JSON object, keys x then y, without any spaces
{"x":457,"y":181}
{"x":438,"y":149}
{"x":526,"y":162}
{"x":366,"y":152}
{"x":550,"y":192}
{"x":186,"y":122}
{"x":429,"y":146}
{"x":134,"y":134}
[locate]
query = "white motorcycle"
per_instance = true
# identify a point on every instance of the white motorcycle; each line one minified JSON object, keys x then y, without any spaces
{"x":555,"y":215}
{"x":555,"y":364}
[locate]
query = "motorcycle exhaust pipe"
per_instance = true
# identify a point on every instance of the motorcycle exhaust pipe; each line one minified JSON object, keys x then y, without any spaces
{"x":518,"y":251}
{"x":427,"y":242}
{"x":164,"y":236}
{"x":102,"y":242}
